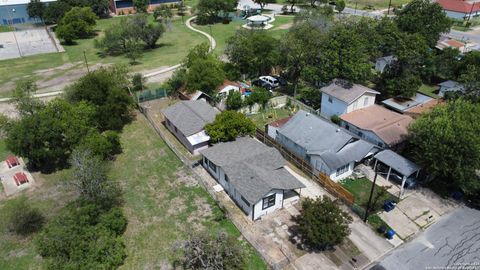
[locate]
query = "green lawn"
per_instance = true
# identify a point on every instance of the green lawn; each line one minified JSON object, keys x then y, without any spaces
{"x":429,"y":90}
{"x":5,"y":28}
{"x":269,"y":115}
{"x":173,"y":47}
{"x":221,"y":32}
{"x":360,"y":188}
{"x":376,"y":4}
{"x":161,"y":201}
{"x":19,"y":252}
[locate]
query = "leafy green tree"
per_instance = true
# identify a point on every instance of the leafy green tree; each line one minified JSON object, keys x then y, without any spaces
{"x":310,"y":96}
{"x":105,"y":89}
{"x":83,"y":237}
{"x":23,"y":99}
{"x":446,"y":144}
{"x":234,"y":100}
{"x":36,"y":9}
{"x":133,"y":50}
{"x":263,"y":3}
{"x":163,"y":13}
{"x":339,"y":5}
{"x":21,"y":217}
{"x":212,"y":251}
{"x":141,"y":5}
{"x":322,"y":224}
{"x":228,"y":125}
{"x":253,"y":52}
{"x":76,"y":23}
{"x":99,"y":7}
{"x":177,"y":81}
{"x":201,"y":51}
{"x":400,"y":83}
{"x":424,"y":17}
{"x":54,"y":11}
{"x":259,"y":95}
{"x":140,"y":28}
{"x":209,"y":10}
{"x":105,"y":146}
{"x":298,"y":47}
{"x":138,"y":82}
{"x":205,"y":75}
{"x":89,"y":178}
{"x":47,"y":137}
{"x":447,"y":63}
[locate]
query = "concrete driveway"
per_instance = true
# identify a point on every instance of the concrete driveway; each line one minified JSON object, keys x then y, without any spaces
{"x":451,"y":243}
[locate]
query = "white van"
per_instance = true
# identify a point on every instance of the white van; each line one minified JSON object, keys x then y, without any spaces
{"x":270,"y":80}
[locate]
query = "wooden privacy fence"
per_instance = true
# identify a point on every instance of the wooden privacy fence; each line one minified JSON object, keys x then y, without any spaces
{"x":336,"y":189}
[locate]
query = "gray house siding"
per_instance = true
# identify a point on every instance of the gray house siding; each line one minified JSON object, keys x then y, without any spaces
{"x":193,"y":149}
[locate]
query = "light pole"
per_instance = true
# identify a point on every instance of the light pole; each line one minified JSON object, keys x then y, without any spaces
{"x":13,"y":28}
{"x":371,"y":193}
{"x":86,"y":62}
{"x":389,"y":5}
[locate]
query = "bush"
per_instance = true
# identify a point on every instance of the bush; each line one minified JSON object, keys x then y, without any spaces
{"x":21,"y":218}
{"x":83,"y":237}
{"x":234,"y":100}
{"x":76,"y":23}
{"x":336,"y":119}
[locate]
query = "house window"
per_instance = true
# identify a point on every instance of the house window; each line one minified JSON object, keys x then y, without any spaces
{"x":212,"y":166}
{"x":343,"y":169}
{"x":268,"y":201}
{"x":360,"y":134}
{"x":330,"y":99}
{"x":245,"y":201}
{"x":365,"y":101}
{"x":226,"y":178}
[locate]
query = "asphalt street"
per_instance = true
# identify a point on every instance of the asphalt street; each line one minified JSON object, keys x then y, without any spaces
{"x":452,"y":243}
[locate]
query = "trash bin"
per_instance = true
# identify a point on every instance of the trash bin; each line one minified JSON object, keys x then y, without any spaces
{"x":382,"y":229}
{"x":388,"y":206}
{"x":390,"y":234}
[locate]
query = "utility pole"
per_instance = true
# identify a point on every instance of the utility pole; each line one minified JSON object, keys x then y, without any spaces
{"x":371,"y":193}
{"x":355,"y":12}
{"x":471,"y":10}
{"x":13,"y":28}
{"x":389,"y":5}
{"x":86,"y":62}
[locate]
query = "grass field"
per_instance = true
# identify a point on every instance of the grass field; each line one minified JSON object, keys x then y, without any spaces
{"x":360,"y":188}
{"x":269,"y":115}
{"x":5,"y":28}
{"x":173,"y":47}
{"x":50,"y":196}
{"x":429,"y":90}
{"x":222,"y":32}
{"x":376,"y":4}
{"x":162,"y":201}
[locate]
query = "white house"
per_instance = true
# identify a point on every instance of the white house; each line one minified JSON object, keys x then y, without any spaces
{"x":252,"y":174}
{"x":450,"y":86}
{"x":329,"y":149}
{"x":342,"y":97}
{"x":187,"y":120}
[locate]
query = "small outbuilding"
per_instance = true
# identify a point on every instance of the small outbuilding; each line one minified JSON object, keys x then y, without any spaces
{"x":450,"y":86}
{"x":187,"y":121}
{"x":20,"y":178}
{"x":12,"y":161}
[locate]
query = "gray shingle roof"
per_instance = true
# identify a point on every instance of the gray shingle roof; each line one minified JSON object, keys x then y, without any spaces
{"x":253,"y":168}
{"x":397,"y":162}
{"x":449,"y":84}
{"x":190,"y":116}
{"x":346,"y":93}
{"x":335,"y":146}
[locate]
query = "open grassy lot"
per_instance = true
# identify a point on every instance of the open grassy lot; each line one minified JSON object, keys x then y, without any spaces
{"x":163,"y":202}
{"x":222,"y":32}
{"x":376,"y":4}
{"x":269,"y":115}
{"x":172,"y":48}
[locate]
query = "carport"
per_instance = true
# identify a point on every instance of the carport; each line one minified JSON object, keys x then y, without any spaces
{"x":400,"y":164}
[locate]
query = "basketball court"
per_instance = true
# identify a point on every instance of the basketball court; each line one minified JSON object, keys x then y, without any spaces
{"x":25,"y":42}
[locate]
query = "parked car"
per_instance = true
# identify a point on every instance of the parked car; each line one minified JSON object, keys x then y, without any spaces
{"x":270,"y":80}
{"x":281,"y":81}
{"x":263,"y":84}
